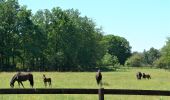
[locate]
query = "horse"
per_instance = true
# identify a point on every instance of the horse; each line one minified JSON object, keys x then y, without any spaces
{"x":99,"y":77}
{"x":46,"y":80}
{"x":139,"y":75}
{"x":146,"y":76}
{"x":19,"y":77}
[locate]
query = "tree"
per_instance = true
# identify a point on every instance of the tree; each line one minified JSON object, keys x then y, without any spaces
{"x":73,"y":41}
{"x":151,"y":55}
{"x":90,"y":48}
{"x":164,"y":60}
{"x":56,"y":39}
{"x":161,"y":63}
{"x":136,"y":60}
{"x":119,"y":47}
{"x":42,"y":22}
{"x":107,"y":60}
{"x":32,"y":40}
{"x":8,"y":32}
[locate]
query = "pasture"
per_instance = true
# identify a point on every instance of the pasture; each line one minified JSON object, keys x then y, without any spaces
{"x":123,"y":79}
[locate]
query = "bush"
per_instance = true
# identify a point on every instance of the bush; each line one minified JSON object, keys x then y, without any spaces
{"x":108,"y":60}
{"x":161,"y":63}
{"x":134,"y":61}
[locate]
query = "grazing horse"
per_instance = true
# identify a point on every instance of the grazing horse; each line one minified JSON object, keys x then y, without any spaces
{"x":146,"y":76}
{"x":99,"y":78}
{"x":46,"y":80}
{"x":139,"y":75}
{"x":19,"y":77}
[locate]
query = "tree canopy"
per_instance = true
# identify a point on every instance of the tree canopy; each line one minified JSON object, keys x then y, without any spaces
{"x":119,"y":47}
{"x":164,"y":60}
{"x":54,"y":39}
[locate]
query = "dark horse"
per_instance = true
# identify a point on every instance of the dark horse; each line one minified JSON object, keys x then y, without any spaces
{"x":139,"y":75}
{"x":19,"y":77}
{"x":99,"y":77}
{"x":46,"y":80}
{"x":146,"y":76}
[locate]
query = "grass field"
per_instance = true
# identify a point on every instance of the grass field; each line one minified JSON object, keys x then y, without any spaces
{"x":125,"y":79}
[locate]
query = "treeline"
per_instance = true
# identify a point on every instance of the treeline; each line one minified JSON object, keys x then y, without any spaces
{"x":54,"y":39}
{"x":151,"y":58}
{"x":63,"y":40}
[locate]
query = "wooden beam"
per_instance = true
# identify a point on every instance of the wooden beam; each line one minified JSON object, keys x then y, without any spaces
{"x":84,"y":91}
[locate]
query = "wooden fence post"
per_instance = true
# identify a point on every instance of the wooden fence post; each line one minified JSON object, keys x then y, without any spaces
{"x":101,"y":93}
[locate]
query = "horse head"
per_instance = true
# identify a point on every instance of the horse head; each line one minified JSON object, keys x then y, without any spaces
{"x":13,"y":80}
{"x":43,"y":75}
{"x":12,"y":85}
{"x":31,"y":79}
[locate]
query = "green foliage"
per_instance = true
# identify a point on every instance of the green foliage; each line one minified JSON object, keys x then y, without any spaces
{"x":119,"y":47}
{"x":109,"y":60}
{"x":8,"y":32}
{"x":146,"y":58}
{"x":164,"y":60}
{"x":115,"y":60}
{"x":55,"y":39}
{"x":135,"y":60}
{"x":75,"y":37}
{"x":151,"y":55}
{"x":161,"y":63}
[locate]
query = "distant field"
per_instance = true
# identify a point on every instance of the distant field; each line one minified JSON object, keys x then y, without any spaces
{"x":116,"y":80}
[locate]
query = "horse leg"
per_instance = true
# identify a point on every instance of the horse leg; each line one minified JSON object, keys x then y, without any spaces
{"x":49,"y":84}
{"x":19,"y":84}
{"x":22,"y":85}
{"x":45,"y":84}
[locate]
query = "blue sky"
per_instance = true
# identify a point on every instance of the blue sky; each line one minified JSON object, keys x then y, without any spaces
{"x":144,"y":23}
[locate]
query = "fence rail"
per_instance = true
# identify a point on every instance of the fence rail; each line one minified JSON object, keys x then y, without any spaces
{"x":101,"y":92}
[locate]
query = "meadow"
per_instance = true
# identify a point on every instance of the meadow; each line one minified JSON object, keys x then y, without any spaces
{"x":122,"y":79}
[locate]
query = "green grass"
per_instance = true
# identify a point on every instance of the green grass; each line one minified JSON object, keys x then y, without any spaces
{"x":116,"y":80}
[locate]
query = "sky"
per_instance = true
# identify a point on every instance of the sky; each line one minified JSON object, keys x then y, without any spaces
{"x":144,"y":23}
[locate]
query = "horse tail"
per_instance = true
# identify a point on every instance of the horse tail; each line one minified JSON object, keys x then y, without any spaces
{"x":31,"y":79}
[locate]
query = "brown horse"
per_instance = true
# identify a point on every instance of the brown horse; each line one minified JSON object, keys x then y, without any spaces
{"x":46,"y":80}
{"x":146,"y":76}
{"x":99,"y":77}
{"x":19,"y":77}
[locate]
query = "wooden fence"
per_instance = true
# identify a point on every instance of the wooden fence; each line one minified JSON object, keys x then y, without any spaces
{"x":101,"y":92}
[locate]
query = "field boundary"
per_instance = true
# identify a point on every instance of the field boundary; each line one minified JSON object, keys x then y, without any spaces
{"x":101,"y":92}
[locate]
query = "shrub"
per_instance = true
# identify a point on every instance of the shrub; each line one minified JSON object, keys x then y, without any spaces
{"x":134,"y":61}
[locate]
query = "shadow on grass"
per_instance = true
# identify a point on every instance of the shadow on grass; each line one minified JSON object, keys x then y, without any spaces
{"x":80,"y":69}
{"x":106,"y":69}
